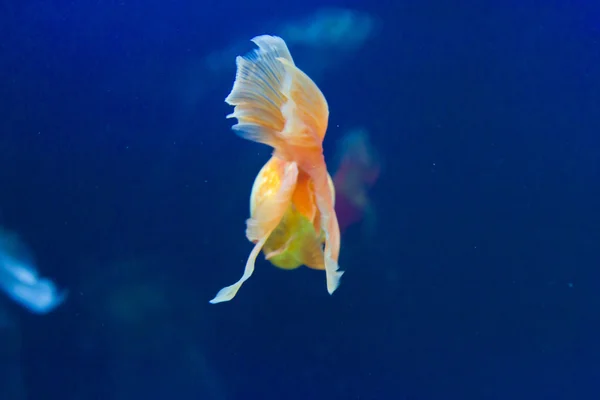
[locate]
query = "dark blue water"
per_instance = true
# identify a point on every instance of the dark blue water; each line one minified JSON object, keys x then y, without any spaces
{"x":482,"y":281}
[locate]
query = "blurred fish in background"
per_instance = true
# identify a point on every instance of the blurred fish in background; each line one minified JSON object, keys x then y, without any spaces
{"x":19,"y":278}
{"x":358,"y":166}
{"x":322,"y":40}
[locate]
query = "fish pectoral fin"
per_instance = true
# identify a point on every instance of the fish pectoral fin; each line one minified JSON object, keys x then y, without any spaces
{"x":260,"y":226}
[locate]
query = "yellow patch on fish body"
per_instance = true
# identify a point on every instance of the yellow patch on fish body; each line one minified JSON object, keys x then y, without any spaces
{"x":298,"y":238}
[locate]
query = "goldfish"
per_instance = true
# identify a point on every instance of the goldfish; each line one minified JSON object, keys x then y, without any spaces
{"x":292,"y":215}
{"x":20,"y":280}
{"x":357,"y":171}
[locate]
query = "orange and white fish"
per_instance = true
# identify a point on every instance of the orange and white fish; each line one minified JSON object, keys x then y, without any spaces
{"x":292,"y":211}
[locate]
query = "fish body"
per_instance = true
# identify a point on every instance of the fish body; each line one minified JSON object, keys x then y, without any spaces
{"x":298,"y":238}
{"x":292,"y":216}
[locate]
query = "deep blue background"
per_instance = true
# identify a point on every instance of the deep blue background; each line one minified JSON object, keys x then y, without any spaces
{"x":483,"y":281}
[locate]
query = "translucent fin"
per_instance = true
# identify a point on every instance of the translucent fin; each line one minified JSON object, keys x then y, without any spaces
{"x":329,"y":223}
{"x":256,"y":93}
{"x":267,"y":216}
{"x":229,"y":292}
{"x":267,"y":181}
{"x":307,"y":112}
{"x":317,"y":221}
{"x":275,"y":102}
{"x":269,"y":212}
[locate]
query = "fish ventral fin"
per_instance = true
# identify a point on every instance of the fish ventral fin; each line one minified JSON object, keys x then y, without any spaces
{"x":260,"y":225}
{"x":274,"y":102}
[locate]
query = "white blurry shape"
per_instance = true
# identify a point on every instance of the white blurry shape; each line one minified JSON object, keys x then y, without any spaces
{"x":20,"y":280}
{"x":320,"y":41}
{"x":340,"y":28}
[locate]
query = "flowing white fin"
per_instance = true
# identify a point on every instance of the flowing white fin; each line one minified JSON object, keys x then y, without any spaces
{"x":256,"y":94}
{"x":265,"y":219}
{"x":275,"y":102}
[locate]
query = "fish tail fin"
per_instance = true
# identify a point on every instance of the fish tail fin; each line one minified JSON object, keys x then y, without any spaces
{"x":274,"y":102}
{"x":306,"y":111}
{"x":256,"y":94}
